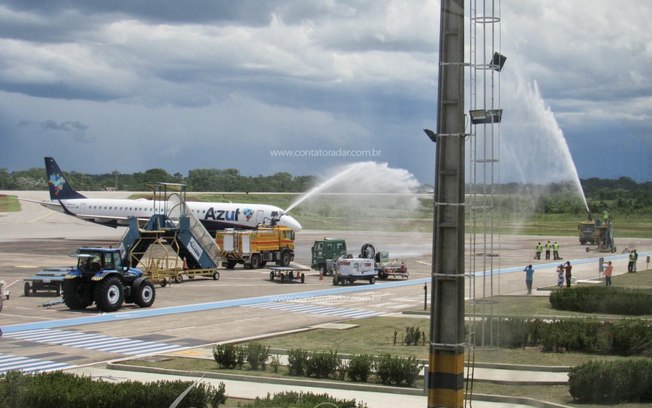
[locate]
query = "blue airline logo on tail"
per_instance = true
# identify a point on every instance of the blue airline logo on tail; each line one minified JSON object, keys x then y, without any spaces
{"x":56,"y":181}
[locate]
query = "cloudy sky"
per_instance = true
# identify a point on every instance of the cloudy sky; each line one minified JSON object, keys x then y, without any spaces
{"x":131,"y":85}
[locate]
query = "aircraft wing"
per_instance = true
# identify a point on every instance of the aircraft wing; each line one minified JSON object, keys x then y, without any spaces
{"x":47,"y":204}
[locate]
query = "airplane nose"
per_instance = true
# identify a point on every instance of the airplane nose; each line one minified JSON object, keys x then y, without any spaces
{"x":290,"y":222}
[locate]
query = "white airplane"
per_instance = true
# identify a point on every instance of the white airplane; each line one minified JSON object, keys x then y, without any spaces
{"x":116,"y":212}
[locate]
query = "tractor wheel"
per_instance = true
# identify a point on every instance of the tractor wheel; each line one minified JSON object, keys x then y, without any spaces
{"x":335,"y":281}
{"x":77,"y":294}
{"x":255,"y":261}
{"x":303,"y":277}
{"x":145,"y":294}
{"x":372,"y":280}
{"x":27,"y":289}
{"x":109,"y":294}
{"x":271,"y":275}
{"x":285,"y":258}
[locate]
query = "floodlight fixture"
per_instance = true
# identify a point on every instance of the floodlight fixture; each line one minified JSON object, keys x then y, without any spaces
{"x":432,"y":135}
{"x":483,"y":116}
{"x":498,"y":61}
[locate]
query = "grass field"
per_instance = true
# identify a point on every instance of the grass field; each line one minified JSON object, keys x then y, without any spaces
{"x":9,"y":203}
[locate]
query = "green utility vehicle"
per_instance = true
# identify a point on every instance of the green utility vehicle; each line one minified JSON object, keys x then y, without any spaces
{"x":324,"y":254}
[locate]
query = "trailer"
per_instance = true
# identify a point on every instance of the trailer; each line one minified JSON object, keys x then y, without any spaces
{"x":254,"y":248}
{"x":50,"y":279}
{"x":386,"y":268}
{"x":165,"y":269}
{"x":287,"y":274}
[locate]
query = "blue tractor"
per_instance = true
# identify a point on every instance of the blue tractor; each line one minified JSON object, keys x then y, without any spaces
{"x":101,"y":277}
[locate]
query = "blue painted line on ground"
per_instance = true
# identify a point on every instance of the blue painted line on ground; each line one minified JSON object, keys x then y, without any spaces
{"x":223,"y":304}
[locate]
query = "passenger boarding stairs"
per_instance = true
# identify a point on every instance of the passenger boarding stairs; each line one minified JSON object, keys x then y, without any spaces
{"x":185,"y":235}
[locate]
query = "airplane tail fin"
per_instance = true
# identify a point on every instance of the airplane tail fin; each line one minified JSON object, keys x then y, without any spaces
{"x":60,"y":188}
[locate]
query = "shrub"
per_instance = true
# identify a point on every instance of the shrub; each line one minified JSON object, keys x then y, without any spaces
{"x":631,"y":337}
{"x":63,"y":390}
{"x":612,"y":381}
{"x":291,"y":399}
{"x":624,"y":337}
{"x":396,"y":370}
{"x":226,"y":355}
{"x":322,"y":364}
{"x":360,"y":367}
{"x":240,"y":357}
{"x":257,"y":355}
{"x":413,"y":335}
{"x":297,"y":361}
{"x":275,"y":363}
{"x":592,"y":299}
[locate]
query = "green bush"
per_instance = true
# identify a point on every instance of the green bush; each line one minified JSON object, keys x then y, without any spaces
{"x":623,"y":337}
{"x":612,"y":381}
{"x":257,"y":355}
{"x":632,"y":337}
{"x":227,"y":355}
{"x":64,"y":390}
{"x":396,"y":370}
{"x":291,"y":399}
{"x":413,"y":335}
{"x":599,"y":299}
{"x":275,"y":363}
{"x":323,"y":364}
{"x":297,"y":362}
{"x":360,"y":367}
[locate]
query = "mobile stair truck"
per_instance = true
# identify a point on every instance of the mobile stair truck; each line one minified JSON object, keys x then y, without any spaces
{"x":173,"y":243}
{"x":254,"y":248}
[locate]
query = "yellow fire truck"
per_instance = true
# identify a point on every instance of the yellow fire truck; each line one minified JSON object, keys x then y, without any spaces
{"x":254,"y":248}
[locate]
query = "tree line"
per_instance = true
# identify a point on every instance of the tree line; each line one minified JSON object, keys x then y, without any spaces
{"x":223,"y":180}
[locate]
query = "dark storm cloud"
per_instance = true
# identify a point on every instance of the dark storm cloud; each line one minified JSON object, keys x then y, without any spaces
{"x":249,"y":12}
